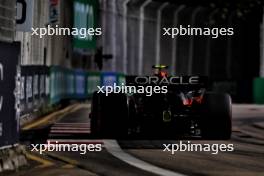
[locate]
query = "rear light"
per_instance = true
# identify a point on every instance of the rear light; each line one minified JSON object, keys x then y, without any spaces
{"x":187,"y":102}
{"x":198,"y":99}
{"x":192,"y":96}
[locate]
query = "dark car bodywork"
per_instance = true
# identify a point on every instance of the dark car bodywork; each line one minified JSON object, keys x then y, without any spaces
{"x":187,"y":109}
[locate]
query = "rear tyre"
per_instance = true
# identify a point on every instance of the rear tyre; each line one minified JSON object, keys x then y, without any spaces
{"x":109,"y":115}
{"x":217,"y":123}
{"x":93,"y":115}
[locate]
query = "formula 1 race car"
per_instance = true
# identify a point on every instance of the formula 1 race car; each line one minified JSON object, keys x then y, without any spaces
{"x":181,"y":108}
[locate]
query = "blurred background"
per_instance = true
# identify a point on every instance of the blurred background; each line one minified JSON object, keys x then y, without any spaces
{"x":132,"y":37}
{"x":41,"y":75}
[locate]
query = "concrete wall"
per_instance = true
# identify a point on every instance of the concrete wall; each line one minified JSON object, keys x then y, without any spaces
{"x":7,"y":20}
{"x":49,"y":50}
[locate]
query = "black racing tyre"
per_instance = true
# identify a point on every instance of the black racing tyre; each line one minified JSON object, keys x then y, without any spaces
{"x":109,"y":115}
{"x":93,"y":115}
{"x":217,"y":122}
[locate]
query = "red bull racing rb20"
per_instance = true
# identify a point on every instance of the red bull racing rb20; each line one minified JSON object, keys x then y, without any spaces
{"x":162,"y":107}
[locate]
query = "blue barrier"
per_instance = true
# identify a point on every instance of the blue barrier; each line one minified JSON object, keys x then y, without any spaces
{"x":46,"y":86}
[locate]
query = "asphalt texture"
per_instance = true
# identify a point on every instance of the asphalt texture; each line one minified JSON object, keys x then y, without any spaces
{"x":146,"y":157}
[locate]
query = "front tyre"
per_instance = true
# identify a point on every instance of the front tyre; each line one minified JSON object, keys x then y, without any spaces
{"x":109,"y":115}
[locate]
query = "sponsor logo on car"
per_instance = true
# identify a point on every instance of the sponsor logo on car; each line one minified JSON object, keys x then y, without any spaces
{"x":174,"y":80}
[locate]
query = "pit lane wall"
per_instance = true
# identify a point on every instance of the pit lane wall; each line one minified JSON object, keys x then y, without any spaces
{"x":44,"y":88}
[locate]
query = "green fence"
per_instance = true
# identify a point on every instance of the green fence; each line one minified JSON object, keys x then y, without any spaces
{"x":258,"y":90}
{"x":78,"y":84}
{"x":93,"y":80}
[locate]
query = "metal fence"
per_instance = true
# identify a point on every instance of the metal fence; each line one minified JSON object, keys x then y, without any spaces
{"x":132,"y":32}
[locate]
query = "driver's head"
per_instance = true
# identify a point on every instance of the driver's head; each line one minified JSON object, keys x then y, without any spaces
{"x":160,"y":70}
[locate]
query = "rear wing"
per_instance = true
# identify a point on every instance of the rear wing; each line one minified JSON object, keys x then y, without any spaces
{"x":171,"y":81}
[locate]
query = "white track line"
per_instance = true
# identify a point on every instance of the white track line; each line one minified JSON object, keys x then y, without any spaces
{"x":70,"y":128}
{"x":70,"y":131}
{"x":73,"y":123}
{"x":113,"y":148}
